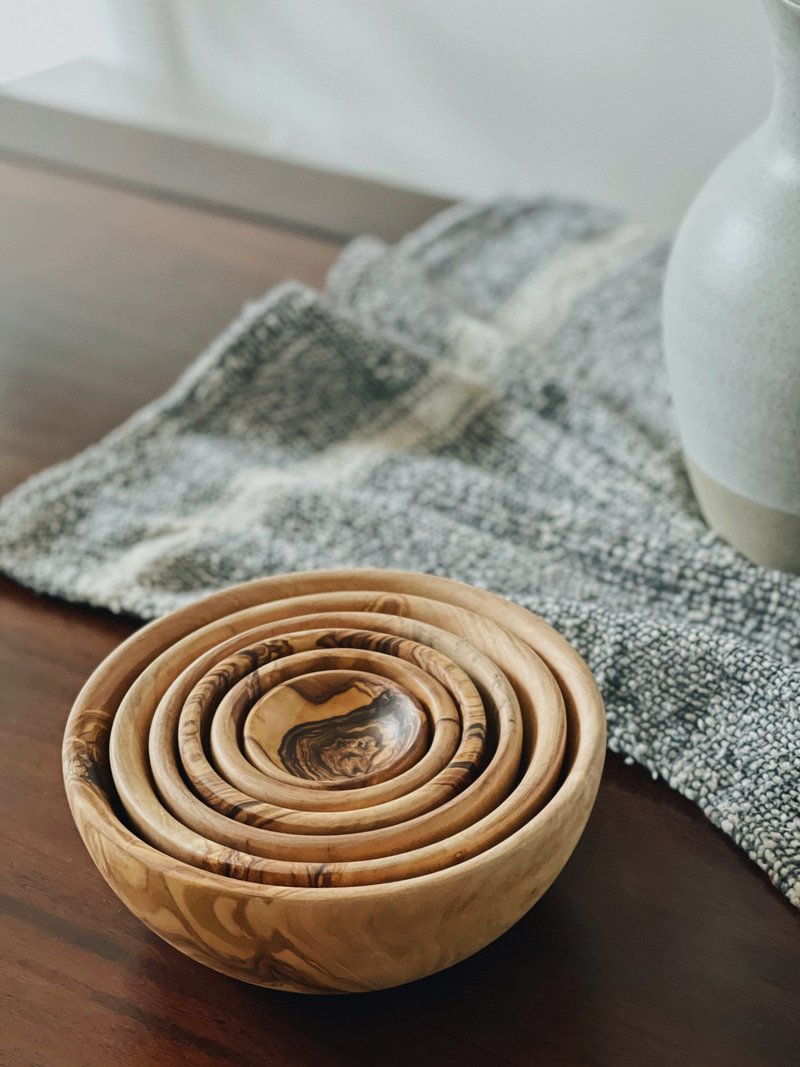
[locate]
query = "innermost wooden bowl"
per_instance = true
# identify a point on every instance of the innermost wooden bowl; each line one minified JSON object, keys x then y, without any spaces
{"x":338,"y":726}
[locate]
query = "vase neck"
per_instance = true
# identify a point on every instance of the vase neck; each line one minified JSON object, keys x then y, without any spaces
{"x":784,"y":17}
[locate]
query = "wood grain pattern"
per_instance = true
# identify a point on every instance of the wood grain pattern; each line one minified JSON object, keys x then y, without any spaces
{"x":184,"y":709}
{"x":521,"y":680}
{"x":659,"y":942}
{"x":339,"y":727}
{"x":508,"y":818}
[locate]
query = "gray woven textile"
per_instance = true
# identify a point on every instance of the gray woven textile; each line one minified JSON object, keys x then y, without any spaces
{"x":486,"y":400}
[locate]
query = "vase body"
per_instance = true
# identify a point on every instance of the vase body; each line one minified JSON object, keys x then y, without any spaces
{"x":732,"y":327}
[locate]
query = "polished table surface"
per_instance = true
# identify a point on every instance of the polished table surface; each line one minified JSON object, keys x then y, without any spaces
{"x":659,"y":944}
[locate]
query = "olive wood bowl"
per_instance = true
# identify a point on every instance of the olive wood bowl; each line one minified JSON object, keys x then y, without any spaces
{"x":358,"y":850}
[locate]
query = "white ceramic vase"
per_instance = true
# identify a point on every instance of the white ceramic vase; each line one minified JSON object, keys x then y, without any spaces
{"x":732,"y":326}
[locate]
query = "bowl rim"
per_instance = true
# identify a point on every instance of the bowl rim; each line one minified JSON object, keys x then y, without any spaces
{"x":91,"y":805}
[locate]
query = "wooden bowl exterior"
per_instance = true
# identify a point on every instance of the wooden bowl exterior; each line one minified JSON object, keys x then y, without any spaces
{"x":352,"y":938}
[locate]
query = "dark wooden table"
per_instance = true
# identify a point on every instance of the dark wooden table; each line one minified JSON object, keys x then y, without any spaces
{"x":659,"y":944}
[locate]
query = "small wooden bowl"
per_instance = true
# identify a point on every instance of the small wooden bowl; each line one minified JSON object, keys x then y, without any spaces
{"x":441,"y":884}
{"x":340,"y":728}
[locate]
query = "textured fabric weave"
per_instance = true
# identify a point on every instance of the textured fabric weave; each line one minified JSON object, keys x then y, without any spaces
{"x":485,"y":400}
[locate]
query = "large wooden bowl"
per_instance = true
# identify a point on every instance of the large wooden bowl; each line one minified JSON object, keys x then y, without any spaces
{"x":335,"y":781}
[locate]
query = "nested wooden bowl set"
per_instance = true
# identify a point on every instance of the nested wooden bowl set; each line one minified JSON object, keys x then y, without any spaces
{"x":335,"y":781}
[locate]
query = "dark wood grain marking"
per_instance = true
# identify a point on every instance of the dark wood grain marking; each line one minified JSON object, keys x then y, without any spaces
{"x":347,"y":746}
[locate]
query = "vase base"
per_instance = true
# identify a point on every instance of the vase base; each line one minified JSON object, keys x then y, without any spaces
{"x":768,"y":536}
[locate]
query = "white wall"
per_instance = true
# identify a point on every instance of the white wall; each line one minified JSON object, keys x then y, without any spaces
{"x":36,"y":34}
{"x":625,"y":101}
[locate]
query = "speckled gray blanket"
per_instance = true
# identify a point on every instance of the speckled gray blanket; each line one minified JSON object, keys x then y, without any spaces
{"x":485,"y":400}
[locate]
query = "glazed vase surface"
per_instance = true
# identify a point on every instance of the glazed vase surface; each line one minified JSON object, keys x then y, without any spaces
{"x":732,"y":326}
